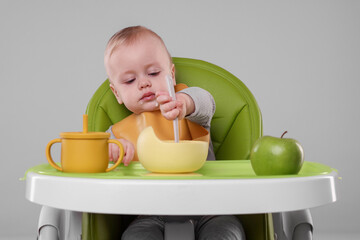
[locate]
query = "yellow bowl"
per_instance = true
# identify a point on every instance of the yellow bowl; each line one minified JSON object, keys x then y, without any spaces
{"x":170,"y":157}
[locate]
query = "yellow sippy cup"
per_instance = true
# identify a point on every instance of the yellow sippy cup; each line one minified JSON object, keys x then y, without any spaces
{"x":84,"y":152}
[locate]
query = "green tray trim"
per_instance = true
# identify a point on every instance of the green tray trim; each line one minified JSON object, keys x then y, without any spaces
{"x":225,"y":169}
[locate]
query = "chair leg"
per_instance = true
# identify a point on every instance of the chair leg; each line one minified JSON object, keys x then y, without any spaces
{"x":179,"y":231}
{"x":293,"y":225}
{"x":48,"y":232}
{"x":67,"y":224}
{"x":49,"y":223}
{"x":303,"y":232}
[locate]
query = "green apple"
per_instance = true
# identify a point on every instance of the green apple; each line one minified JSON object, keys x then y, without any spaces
{"x":276,"y":156}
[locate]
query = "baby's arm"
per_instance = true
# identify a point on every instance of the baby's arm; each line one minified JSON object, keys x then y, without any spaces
{"x":204,"y":106}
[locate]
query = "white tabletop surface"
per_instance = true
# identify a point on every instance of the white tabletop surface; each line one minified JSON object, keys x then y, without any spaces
{"x":181,"y":196}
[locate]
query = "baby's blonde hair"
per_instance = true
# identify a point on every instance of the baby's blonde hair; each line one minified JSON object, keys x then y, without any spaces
{"x":128,"y":36}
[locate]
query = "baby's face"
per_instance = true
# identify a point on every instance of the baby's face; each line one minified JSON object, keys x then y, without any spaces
{"x":138,"y":71}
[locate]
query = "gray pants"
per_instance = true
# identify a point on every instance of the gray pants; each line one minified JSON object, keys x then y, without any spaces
{"x":206,"y":227}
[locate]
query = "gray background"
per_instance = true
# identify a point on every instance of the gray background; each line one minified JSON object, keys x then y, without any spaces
{"x":299,"y":58}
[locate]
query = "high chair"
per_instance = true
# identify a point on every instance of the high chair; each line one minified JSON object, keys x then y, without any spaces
{"x":236,"y":125}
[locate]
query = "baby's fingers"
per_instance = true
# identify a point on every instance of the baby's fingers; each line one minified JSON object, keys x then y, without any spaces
{"x":113,"y":152}
{"x":128,"y":156}
{"x":172,"y":110}
{"x":129,"y":151}
{"x":163,"y":97}
{"x":173,"y":114}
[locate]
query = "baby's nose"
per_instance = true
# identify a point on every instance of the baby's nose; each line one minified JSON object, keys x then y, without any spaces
{"x":144,"y":82}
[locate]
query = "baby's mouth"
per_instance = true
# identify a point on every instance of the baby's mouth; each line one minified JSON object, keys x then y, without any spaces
{"x":149,"y":96}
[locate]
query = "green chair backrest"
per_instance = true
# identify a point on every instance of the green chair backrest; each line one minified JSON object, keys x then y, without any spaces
{"x":237,"y":121}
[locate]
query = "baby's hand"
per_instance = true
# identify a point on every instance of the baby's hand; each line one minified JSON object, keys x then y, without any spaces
{"x":179,"y":108}
{"x":129,"y":151}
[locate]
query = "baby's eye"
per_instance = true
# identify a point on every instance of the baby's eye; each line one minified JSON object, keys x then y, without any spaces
{"x":129,"y":81}
{"x":154,"y":73}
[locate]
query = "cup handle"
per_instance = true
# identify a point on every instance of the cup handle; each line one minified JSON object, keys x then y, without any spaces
{"x":48,"y":154}
{"x":120,"y":156}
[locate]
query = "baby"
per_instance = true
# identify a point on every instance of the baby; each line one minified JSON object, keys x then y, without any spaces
{"x":137,"y":63}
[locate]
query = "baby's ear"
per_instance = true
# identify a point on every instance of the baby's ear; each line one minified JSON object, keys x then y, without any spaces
{"x":116,"y":93}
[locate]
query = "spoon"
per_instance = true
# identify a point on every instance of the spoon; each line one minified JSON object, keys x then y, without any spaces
{"x":172,"y":95}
